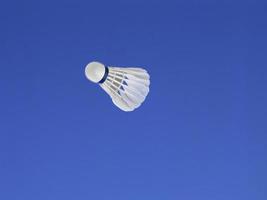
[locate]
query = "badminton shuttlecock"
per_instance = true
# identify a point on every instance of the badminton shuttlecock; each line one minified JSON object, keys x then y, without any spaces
{"x":127,"y":87}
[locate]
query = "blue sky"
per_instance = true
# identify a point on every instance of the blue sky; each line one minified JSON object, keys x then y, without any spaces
{"x":201,"y":133}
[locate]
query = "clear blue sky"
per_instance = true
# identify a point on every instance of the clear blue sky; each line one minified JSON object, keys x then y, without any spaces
{"x":200,"y":135}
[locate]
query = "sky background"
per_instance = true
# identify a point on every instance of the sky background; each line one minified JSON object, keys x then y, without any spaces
{"x":200,"y":135}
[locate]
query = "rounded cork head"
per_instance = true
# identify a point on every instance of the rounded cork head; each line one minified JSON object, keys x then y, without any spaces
{"x":95,"y":71}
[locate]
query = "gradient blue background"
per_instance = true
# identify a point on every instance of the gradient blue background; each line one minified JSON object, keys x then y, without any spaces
{"x":200,"y":135}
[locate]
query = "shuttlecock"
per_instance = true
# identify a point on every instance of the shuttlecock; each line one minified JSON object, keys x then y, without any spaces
{"x":127,"y":87}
